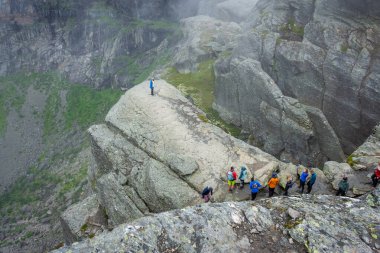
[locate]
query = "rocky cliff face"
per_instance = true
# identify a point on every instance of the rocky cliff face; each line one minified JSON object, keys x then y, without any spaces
{"x":157,"y":153}
{"x":317,"y":60}
{"x":102,"y":43}
{"x":313,"y":224}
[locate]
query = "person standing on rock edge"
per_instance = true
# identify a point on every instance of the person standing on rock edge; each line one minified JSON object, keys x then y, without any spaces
{"x":207,"y":193}
{"x":272,"y":183}
{"x":303,"y":177}
{"x":255,"y":186}
{"x":376,"y":175}
{"x":343,"y":187}
{"x":311,"y":180}
{"x":151,"y":86}
{"x":231,"y":177}
{"x":242,"y":176}
{"x":289,"y":184}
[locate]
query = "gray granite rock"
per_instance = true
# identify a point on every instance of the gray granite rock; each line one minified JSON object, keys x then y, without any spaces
{"x":82,"y":219}
{"x":220,"y":227}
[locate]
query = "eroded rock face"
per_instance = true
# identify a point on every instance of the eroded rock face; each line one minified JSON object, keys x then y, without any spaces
{"x":83,"y":220}
{"x":311,"y":223}
{"x":368,"y":154}
{"x":316,"y":52}
{"x":247,"y":95}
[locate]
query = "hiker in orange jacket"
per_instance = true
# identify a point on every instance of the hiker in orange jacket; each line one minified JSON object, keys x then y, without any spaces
{"x":272,"y":183}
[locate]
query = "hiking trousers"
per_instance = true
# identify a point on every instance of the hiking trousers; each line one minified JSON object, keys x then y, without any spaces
{"x":341,"y":192}
{"x":309,"y":187}
{"x":302,"y":185}
{"x":241,"y":183}
{"x":375,"y":180}
{"x":286,"y":190}
{"x":253,"y":195}
{"x":271,"y":192}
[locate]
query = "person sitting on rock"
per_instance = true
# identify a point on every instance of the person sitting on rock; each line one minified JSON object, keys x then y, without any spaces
{"x":343,"y":187}
{"x":311,"y":180}
{"x":376,"y":175}
{"x":207,"y":193}
{"x":272,"y":183}
{"x":255,"y":186}
{"x":231,"y":177}
{"x":289,"y":184}
{"x":303,"y":177}
{"x":242,"y":176}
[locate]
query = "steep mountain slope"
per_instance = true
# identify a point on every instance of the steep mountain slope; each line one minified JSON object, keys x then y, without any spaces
{"x":300,"y":76}
{"x":101,"y":43}
{"x":48,"y":48}
{"x":44,"y":154}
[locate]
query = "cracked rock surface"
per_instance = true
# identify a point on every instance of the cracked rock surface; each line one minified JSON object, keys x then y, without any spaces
{"x":156,"y":154}
{"x":322,"y":224}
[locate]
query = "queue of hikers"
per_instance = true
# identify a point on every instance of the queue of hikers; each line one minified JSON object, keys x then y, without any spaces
{"x":307,"y":178}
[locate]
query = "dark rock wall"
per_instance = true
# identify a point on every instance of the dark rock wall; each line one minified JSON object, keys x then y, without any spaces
{"x":102,"y":43}
{"x":323,"y":53}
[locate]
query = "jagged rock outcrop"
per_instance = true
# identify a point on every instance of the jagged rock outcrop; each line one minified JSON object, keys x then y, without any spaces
{"x":368,"y":154}
{"x":83,"y":219}
{"x":359,"y":168}
{"x":155,"y":153}
{"x":310,"y":223}
{"x":204,"y":38}
{"x":246,"y":95}
{"x":317,"y":52}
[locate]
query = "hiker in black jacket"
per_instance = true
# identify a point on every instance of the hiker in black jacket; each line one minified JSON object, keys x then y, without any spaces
{"x":289,"y":184}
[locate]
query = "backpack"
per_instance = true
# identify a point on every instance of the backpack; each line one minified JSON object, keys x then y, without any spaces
{"x":230,"y":176}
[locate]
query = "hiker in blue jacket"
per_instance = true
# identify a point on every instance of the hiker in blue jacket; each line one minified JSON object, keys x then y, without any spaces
{"x":242,"y":176}
{"x":255,"y":187}
{"x":151,"y":86}
{"x":303,"y":178}
{"x":311,"y":180}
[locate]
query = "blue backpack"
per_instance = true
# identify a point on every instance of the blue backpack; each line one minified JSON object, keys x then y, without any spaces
{"x":230,"y":176}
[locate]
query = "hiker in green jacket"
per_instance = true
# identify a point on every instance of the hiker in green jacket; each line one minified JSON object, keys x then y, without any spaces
{"x":242,"y":176}
{"x":343,"y":187}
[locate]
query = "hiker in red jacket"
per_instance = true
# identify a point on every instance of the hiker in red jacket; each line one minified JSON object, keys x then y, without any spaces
{"x":376,"y":176}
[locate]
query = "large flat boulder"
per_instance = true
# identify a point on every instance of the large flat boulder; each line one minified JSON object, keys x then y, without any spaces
{"x":155,"y":153}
